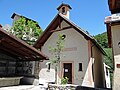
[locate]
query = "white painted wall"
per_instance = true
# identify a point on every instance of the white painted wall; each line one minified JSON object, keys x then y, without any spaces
{"x":116,"y":53}
{"x":99,"y":76}
{"x":78,"y":55}
{"x":67,"y":10}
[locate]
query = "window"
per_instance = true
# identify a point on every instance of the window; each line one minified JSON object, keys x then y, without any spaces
{"x":80,"y":66}
{"x":63,"y":10}
{"x":63,"y":37}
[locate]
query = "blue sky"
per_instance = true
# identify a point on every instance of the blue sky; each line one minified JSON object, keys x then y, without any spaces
{"x":87,"y":14}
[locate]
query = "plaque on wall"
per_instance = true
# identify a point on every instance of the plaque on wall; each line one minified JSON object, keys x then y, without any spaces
{"x":66,"y":70}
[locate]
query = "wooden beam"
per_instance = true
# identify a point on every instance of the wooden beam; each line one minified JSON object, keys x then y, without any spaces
{"x":59,"y":23}
{"x":113,"y":4}
{"x":19,"y":51}
{"x":10,"y":52}
{"x":2,"y":39}
{"x":61,"y":29}
{"x":16,"y":55}
{"x":1,"y":36}
{"x":19,"y":48}
{"x":109,"y":35}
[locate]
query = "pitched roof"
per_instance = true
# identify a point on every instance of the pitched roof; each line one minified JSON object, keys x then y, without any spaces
{"x":18,"y":48}
{"x":112,"y":20}
{"x":53,"y":25}
{"x":114,"y":6}
{"x":14,"y":14}
{"x":63,"y":4}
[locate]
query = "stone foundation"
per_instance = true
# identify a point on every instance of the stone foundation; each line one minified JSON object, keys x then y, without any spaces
{"x":9,"y":81}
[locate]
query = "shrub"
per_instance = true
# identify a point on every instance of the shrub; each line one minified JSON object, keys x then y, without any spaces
{"x":64,"y":80}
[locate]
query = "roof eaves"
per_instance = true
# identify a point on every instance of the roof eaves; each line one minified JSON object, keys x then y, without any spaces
{"x":64,"y":5}
{"x":114,"y":18}
{"x":37,"y":42}
{"x":75,"y":26}
{"x":23,"y":43}
{"x":85,"y":33}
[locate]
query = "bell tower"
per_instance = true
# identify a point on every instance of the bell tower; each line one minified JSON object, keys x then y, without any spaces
{"x":64,"y":9}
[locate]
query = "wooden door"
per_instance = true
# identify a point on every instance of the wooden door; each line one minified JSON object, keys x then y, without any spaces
{"x":68,"y":71}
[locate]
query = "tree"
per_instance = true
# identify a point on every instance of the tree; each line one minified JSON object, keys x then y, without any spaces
{"x":26,"y":30}
{"x":56,"y":52}
{"x":102,"y":39}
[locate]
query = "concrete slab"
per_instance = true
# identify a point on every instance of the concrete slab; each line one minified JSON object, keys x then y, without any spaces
{"x":23,"y":87}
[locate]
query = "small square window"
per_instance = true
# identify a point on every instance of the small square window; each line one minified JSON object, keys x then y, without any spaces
{"x":80,"y":66}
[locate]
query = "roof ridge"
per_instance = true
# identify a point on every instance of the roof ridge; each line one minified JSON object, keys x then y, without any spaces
{"x":87,"y":33}
{"x":83,"y":31}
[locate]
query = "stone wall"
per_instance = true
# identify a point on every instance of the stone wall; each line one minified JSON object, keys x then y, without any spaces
{"x":7,"y":65}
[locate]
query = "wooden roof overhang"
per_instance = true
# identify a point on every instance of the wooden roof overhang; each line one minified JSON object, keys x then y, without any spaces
{"x":47,"y":33}
{"x":18,"y":48}
{"x":114,"y":6}
{"x":110,"y":23}
{"x":63,"y":4}
{"x":52,"y":28}
{"x":57,"y":22}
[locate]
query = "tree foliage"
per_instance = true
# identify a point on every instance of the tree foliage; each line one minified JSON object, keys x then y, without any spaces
{"x":57,"y":49}
{"x":26,"y":30}
{"x":102,"y":39}
{"x":56,"y":52}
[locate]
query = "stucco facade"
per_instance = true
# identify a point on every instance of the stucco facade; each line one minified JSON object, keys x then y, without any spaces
{"x":82,"y":58}
{"x":77,"y":50}
{"x":98,"y":67}
{"x":115,"y":30}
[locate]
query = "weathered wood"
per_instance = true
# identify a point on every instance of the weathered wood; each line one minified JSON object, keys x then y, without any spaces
{"x":61,"y":29}
{"x":113,"y":4}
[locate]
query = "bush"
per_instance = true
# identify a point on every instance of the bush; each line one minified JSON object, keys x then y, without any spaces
{"x":64,"y":80}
